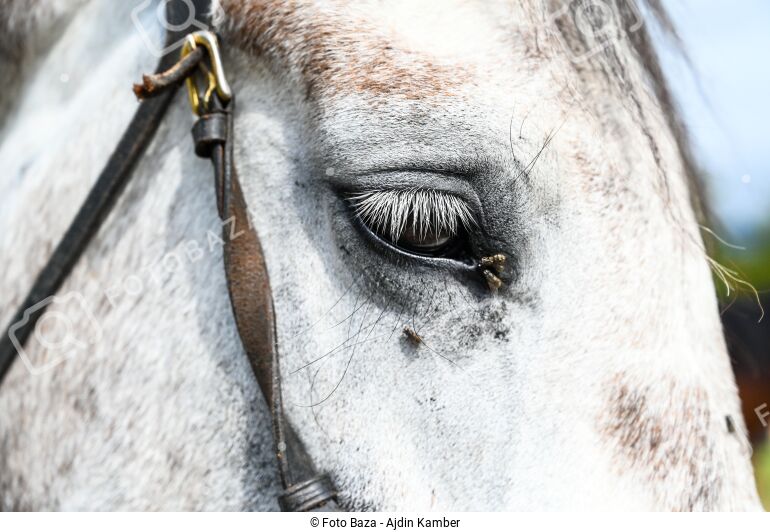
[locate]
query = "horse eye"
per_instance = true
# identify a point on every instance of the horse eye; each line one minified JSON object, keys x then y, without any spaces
{"x":427,"y":242}
{"x":416,"y":221}
{"x":430,"y":242}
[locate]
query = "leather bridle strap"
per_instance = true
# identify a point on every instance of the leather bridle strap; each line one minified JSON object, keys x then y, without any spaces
{"x":101,"y":198}
{"x":252,"y":303}
{"x":247,"y":278}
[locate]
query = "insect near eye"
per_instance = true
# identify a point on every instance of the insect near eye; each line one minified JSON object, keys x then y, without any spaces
{"x":420,"y":221}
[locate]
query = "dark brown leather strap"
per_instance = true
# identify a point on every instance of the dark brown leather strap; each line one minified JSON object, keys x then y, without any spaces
{"x":102,"y":196}
{"x":252,"y":304}
{"x":247,"y":277}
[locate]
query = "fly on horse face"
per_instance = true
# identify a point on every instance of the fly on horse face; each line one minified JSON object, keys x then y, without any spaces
{"x":505,"y":179}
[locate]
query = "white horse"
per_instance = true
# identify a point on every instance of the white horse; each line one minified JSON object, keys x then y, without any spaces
{"x":379,"y":146}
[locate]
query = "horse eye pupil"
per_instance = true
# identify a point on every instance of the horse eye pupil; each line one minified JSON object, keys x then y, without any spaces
{"x":424,"y":241}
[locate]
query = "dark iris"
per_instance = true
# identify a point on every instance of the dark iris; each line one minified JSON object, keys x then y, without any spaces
{"x":427,"y":231}
{"x":424,"y":242}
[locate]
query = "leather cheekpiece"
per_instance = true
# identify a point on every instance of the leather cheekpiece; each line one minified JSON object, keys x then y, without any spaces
{"x":253,"y":309}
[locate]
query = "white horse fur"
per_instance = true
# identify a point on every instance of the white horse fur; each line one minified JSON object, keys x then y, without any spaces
{"x":597,"y":378}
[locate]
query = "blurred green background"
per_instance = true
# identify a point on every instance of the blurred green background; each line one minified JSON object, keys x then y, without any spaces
{"x":748,"y":341}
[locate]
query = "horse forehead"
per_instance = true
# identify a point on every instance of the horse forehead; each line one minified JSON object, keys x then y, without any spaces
{"x":413,"y":49}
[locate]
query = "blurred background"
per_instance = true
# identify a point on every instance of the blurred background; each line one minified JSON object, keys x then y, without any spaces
{"x":723,"y":92}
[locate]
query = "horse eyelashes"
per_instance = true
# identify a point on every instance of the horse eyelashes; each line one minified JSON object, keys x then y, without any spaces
{"x":420,"y":213}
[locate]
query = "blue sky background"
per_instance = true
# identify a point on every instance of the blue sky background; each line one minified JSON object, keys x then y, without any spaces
{"x":725,"y":103}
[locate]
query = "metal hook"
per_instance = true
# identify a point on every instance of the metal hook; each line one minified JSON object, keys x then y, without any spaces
{"x":216,"y":77}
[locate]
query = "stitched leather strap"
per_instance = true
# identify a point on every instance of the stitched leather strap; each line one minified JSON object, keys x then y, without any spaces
{"x":252,"y":304}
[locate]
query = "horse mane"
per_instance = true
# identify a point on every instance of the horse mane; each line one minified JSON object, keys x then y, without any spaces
{"x":641,"y":43}
{"x":644,"y":48}
{"x":616,"y":73}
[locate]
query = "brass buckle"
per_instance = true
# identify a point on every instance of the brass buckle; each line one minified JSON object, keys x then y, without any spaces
{"x":200,"y":100}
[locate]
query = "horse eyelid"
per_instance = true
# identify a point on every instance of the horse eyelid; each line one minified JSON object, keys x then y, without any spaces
{"x":389,"y":210}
